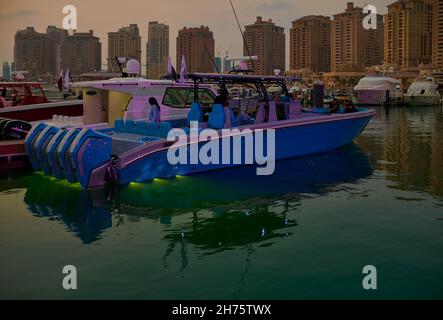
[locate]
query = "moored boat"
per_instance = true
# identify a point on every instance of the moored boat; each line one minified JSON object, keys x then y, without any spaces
{"x":136,"y":149}
{"x":423,"y":92}
{"x":27,"y":101}
{"x":377,"y":91}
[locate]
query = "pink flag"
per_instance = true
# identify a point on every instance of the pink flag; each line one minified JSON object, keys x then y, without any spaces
{"x":60,"y":80}
{"x":67,"y":80}
{"x":171,"y":70}
{"x":183,"y":70}
{"x":243,"y":66}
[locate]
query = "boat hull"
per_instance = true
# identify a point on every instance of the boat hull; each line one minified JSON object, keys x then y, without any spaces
{"x":13,"y":156}
{"x":293,"y":139}
{"x":375,"y":98}
{"x":44,"y":111}
{"x":422,"y":100}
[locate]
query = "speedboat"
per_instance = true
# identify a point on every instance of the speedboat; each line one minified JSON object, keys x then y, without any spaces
{"x":377,"y":91}
{"x":27,"y":101}
{"x":206,"y":134}
{"x":423,"y":92}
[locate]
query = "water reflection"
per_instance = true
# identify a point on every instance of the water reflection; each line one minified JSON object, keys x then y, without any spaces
{"x":407,"y":144}
{"x":214,"y":212}
{"x":47,"y":198}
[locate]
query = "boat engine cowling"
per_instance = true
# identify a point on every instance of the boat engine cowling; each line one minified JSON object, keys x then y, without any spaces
{"x":90,"y":150}
{"x":30,"y":141}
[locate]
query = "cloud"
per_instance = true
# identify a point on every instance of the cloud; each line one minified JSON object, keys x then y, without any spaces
{"x":19,"y":14}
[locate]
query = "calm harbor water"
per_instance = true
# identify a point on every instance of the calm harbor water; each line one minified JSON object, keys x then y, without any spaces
{"x":306,"y":232}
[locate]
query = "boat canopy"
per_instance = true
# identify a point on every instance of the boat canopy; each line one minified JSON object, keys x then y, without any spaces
{"x":231,"y":79}
{"x":239,"y":78}
{"x":377,"y":83}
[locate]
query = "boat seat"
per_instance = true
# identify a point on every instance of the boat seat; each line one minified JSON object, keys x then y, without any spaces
{"x":217,"y":117}
{"x":119,"y":125}
{"x":272,"y":112}
{"x":195,"y":114}
{"x":143,"y":127}
{"x":235,"y":121}
{"x":260,"y":116}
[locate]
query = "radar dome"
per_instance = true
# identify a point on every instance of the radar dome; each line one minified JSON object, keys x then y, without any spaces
{"x":133,"y":67}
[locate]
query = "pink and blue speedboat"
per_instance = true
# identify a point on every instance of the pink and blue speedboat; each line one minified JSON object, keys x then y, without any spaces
{"x":120,"y":142}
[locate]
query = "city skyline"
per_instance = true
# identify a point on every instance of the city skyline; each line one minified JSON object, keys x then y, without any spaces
{"x":220,"y":19}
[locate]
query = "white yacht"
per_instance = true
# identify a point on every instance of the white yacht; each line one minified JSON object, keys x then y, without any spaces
{"x":423,"y":92}
{"x":375,"y":90}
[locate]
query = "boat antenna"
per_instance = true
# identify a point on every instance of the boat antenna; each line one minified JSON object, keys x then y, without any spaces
{"x":124,"y":74}
{"x":212,"y":58}
{"x":243,"y":36}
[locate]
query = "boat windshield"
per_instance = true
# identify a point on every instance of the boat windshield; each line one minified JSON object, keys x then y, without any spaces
{"x":184,"y":97}
{"x":37,"y":91}
{"x":23,"y":93}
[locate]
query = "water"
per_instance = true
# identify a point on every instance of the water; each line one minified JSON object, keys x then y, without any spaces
{"x":306,"y":232}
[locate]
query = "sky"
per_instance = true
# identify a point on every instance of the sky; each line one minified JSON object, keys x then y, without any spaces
{"x":105,"y":16}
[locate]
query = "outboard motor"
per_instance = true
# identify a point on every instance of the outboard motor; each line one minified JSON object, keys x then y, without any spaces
{"x":3,"y":122}
{"x":30,"y":141}
{"x":90,"y":150}
{"x":63,"y":169}
{"x":15,"y":130}
{"x":40,"y":145}
{"x":51,"y":162}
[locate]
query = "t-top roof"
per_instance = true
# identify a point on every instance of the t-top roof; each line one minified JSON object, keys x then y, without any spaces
{"x":239,"y":78}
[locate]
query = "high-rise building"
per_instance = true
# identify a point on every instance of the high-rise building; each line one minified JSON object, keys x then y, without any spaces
{"x":408,"y":33}
{"x":227,"y":65}
{"x":34,"y":52}
{"x":352,"y":44}
{"x":81,"y":52}
{"x":218,"y":63}
{"x":198,"y":47}
{"x":57,"y":35}
{"x":157,"y":50}
{"x":310,"y":44}
{"x":125,"y":43}
{"x":437,"y":33}
{"x":6,"y":71}
{"x":265,"y":40}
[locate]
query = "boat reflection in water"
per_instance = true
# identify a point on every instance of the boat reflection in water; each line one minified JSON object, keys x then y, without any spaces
{"x":226,"y":208}
{"x":58,"y":201}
